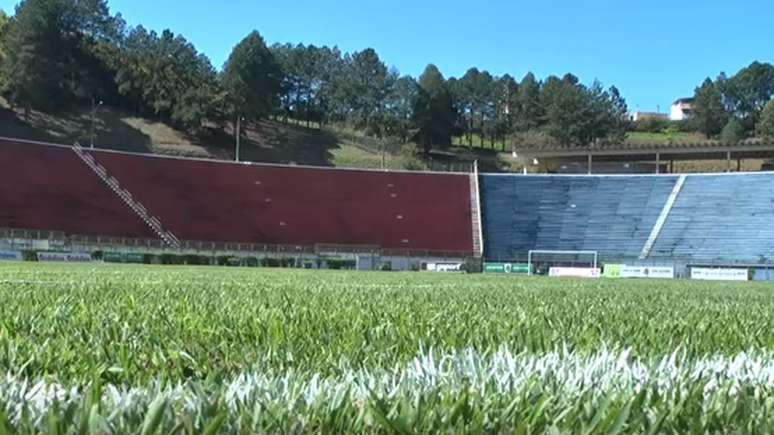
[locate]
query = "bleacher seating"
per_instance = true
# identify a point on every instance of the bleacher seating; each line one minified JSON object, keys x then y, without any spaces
{"x":48,"y":188}
{"x":613,"y":215}
{"x":218,"y":201}
{"x":721,"y":218}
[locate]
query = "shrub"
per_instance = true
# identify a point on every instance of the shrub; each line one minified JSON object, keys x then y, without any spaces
{"x":409,"y":157}
{"x":651,"y":125}
{"x":766,"y":124}
{"x":733,"y":132}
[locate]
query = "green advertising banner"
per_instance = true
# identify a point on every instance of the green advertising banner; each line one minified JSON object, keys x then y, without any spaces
{"x":612,"y":270}
{"x":511,"y":268}
{"x":112,"y":257}
{"x":133,"y":257}
{"x":123,"y":257}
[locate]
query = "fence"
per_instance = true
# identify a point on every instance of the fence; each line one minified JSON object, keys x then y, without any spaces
{"x":95,"y":243}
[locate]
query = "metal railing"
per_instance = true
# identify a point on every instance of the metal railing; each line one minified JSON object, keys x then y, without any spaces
{"x":153,"y":222}
{"x":106,"y":242}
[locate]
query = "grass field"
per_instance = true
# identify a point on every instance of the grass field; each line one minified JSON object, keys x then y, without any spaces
{"x":663,"y":138}
{"x":142,"y":349}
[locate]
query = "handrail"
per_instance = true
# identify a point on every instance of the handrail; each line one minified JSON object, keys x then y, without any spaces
{"x":127,"y":197}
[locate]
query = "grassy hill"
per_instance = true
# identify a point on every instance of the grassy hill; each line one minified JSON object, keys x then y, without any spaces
{"x":279,"y":142}
{"x":663,"y":138}
{"x":265,"y":141}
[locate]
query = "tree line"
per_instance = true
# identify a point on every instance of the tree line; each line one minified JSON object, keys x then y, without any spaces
{"x":59,"y":53}
{"x":737,"y":107}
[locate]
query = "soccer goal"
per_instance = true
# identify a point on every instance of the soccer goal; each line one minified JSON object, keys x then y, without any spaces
{"x":541,"y":261}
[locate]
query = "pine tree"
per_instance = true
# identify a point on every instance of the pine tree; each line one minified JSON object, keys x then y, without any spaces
{"x":48,"y":45}
{"x":434,"y":114}
{"x":367,"y":85}
{"x":709,"y":114}
{"x":251,"y":79}
{"x":529,"y":111}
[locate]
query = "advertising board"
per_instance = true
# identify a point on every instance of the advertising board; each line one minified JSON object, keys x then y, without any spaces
{"x":624,"y":271}
{"x":574,"y":272}
{"x":64,"y":257}
{"x":511,"y":268}
{"x":661,"y":272}
{"x":612,"y":270}
{"x":123,"y":257}
{"x":444,"y":267}
{"x":10,"y":256}
{"x":719,"y":274}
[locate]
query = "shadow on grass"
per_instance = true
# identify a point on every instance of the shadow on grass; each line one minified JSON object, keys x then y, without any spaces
{"x":264,"y":141}
{"x":271,"y":142}
{"x":75,"y":126}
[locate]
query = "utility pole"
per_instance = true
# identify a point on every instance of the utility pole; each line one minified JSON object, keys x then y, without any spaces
{"x":238,"y":134}
{"x":381,"y":141}
{"x":94,"y":107}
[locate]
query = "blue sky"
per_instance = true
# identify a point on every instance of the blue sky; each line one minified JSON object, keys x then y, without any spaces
{"x":654,"y":51}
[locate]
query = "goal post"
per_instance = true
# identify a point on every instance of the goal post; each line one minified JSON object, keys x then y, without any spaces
{"x":542,"y":260}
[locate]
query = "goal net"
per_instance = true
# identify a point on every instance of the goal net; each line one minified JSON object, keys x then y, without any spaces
{"x":541,"y":261}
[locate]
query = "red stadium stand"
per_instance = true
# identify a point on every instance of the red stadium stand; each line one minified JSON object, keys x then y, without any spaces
{"x":248,"y":203}
{"x":50,"y":188}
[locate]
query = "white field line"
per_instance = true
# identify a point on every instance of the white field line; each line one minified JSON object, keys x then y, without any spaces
{"x":565,"y":374}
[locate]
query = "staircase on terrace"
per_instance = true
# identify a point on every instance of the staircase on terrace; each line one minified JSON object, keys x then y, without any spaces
{"x":151,"y":221}
{"x":475,"y":215}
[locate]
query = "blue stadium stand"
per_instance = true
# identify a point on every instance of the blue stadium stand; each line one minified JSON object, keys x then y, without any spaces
{"x":721,"y":219}
{"x":613,"y":215}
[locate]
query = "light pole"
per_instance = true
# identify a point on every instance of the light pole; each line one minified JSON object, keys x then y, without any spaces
{"x":381,"y":142}
{"x":238,"y":135}
{"x":94,"y":107}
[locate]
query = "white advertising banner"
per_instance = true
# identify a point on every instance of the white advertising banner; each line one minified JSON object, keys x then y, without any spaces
{"x":10,"y":256}
{"x":444,"y":267}
{"x":719,"y":274}
{"x":64,"y":257}
{"x":574,"y":272}
{"x":647,"y":272}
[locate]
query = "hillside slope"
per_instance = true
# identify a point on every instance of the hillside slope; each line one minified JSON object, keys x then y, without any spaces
{"x":265,"y":141}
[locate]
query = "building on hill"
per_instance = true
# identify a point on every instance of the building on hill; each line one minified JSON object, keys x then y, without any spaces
{"x":682,"y":109}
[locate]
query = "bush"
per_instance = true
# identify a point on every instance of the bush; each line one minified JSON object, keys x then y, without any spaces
{"x":733,"y":132}
{"x":409,"y":157}
{"x":341,"y":264}
{"x":169,"y":259}
{"x":684,"y":126}
{"x":277,"y":262}
{"x":534,"y":139}
{"x":196,"y":260}
{"x":651,"y":125}
{"x":766,"y":124}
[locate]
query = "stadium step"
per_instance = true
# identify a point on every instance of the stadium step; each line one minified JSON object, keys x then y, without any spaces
{"x":151,"y":221}
{"x":475,"y":215}
{"x":662,"y":218}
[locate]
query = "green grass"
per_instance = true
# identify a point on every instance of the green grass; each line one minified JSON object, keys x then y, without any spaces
{"x":113,"y":349}
{"x":349,"y":156}
{"x":664,"y":138}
